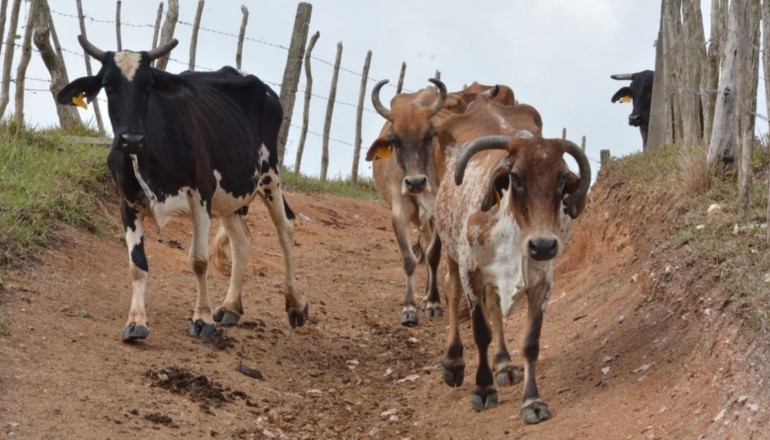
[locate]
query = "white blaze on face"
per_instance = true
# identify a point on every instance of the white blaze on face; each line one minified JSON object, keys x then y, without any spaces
{"x":128,"y":63}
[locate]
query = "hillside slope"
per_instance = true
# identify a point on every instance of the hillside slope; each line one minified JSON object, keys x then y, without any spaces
{"x":641,"y":339}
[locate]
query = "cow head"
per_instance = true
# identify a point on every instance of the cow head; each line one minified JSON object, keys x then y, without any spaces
{"x":410,"y":138}
{"x":129,"y":80}
{"x":639,"y":92}
{"x":537,"y":181}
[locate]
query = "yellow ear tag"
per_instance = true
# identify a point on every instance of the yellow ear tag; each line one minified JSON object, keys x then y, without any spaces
{"x":625,"y":99}
{"x":383,"y":153}
{"x":79,"y":101}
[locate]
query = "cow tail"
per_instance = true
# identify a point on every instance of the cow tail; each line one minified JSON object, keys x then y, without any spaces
{"x":219,"y":258}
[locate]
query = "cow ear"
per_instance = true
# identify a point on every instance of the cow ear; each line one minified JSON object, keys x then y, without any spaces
{"x":172,"y":86}
{"x":572,"y":185}
{"x":74,"y":92}
{"x":499,"y":181}
{"x":380,"y":149}
{"x":622,"y":95}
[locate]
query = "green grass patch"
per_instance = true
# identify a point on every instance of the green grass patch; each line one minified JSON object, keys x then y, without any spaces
{"x":364,"y":189}
{"x":45,"y":180}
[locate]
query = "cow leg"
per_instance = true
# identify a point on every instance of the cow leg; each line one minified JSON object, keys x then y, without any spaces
{"x":136,"y":325}
{"x":506,"y":373}
{"x":453,"y":365}
{"x":202,"y":324}
{"x":533,"y":410}
{"x":484,"y":396}
{"x":231,"y":309}
{"x":400,"y":220}
{"x":272,"y":196}
{"x":432,"y":300}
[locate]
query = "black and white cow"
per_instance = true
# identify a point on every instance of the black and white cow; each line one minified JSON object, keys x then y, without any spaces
{"x":195,"y":144}
{"x":639,"y":92}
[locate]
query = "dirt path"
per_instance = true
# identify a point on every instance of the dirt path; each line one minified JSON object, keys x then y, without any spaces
{"x":352,"y":372}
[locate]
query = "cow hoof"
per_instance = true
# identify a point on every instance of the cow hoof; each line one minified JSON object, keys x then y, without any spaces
{"x":296,"y":319}
{"x":535,"y":412}
{"x":226,"y":317}
{"x":483,"y":398}
{"x":133,"y":332}
{"x":509,"y":375}
{"x":433,"y":310}
{"x":200,"y":329}
{"x":453,"y":373}
{"x":409,"y":318}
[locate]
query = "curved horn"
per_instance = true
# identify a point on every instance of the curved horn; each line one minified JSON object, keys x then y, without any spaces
{"x":381,"y":109}
{"x":162,"y":50}
{"x":491,"y":93}
{"x":438,"y":104}
{"x":623,"y":76}
{"x":90,"y":49}
{"x":490,"y":142}
{"x":576,"y":200}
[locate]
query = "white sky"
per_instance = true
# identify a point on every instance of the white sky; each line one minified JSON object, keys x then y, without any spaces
{"x":557,"y":55}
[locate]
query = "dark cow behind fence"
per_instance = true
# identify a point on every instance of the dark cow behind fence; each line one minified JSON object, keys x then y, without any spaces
{"x":640,"y":94}
{"x":499,"y":215}
{"x":196,"y":144}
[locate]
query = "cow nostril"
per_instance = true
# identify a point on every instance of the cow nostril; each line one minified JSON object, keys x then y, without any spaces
{"x":416,"y":183}
{"x":132,"y":138}
{"x":543,"y":249}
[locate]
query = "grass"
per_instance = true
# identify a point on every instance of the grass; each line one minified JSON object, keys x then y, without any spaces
{"x":363,"y":189}
{"x":45,"y":181}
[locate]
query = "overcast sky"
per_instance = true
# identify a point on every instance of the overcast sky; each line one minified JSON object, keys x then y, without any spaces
{"x":557,"y":55}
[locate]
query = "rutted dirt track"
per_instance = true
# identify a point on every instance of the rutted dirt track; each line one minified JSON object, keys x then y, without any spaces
{"x":352,"y":371}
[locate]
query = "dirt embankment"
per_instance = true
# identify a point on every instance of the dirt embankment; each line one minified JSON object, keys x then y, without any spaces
{"x":635,"y":343}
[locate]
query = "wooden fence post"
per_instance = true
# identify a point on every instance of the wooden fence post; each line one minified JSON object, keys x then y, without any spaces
{"x":659,"y":109}
{"x":747,"y":81}
{"x":437,"y":75}
{"x":168,"y":32}
{"x":3,"y":16}
{"x":241,"y":36}
{"x":158,"y":18}
{"x":194,"y":38}
{"x":564,"y":133}
{"x":359,"y":117}
{"x":329,"y":111}
{"x":400,"y":85}
{"x":291,"y":73}
{"x":97,"y":110}
{"x":68,"y":115}
{"x":117,"y":26}
{"x":583,"y":144}
{"x":604,"y":157}
{"x":308,"y":94}
{"x":21,"y":69}
{"x":8,"y":61}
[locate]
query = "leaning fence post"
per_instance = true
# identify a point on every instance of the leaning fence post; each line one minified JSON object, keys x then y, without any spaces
{"x":400,"y":85}
{"x":8,"y":61}
{"x":158,"y":18}
{"x":81,"y":20}
{"x":117,"y":26}
{"x":21,"y":70}
{"x":329,"y":111}
{"x":3,"y":10}
{"x":308,"y":94}
{"x":291,"y":73}
{"x":241,"y":36}
{"x":194,"y":38}
{"x":604,"y":157}
{"x":168,"y":32}
{"x":359,"y":117}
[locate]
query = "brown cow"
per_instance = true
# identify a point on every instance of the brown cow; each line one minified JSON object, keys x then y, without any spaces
{"x":407,"y":170}
{"x":500,"y":232}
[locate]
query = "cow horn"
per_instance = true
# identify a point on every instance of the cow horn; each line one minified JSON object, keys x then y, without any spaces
{"x":162,"y":50}
{"x":623,"y":76}
{"x":438,"y":104}
{"x":491,"y":93}
{"x":381,"y":109}
{"x":90,"y":49}
{"x":576,"y":200}
{"x":490,"y":142}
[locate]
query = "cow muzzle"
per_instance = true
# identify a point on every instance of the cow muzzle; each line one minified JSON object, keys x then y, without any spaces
{"x":415,"y":184}
{"x":635,"y":120}
{"x":542,"y":249}
{"x":131,"y":143}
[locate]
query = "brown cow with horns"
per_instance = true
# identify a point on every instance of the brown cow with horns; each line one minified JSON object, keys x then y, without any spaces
{"x":500,"y":223}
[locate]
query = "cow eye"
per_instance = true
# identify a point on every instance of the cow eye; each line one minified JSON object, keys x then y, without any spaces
{"x":516,"y":180}
{"x":395,"y":143}
{"x":563,"y":182}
